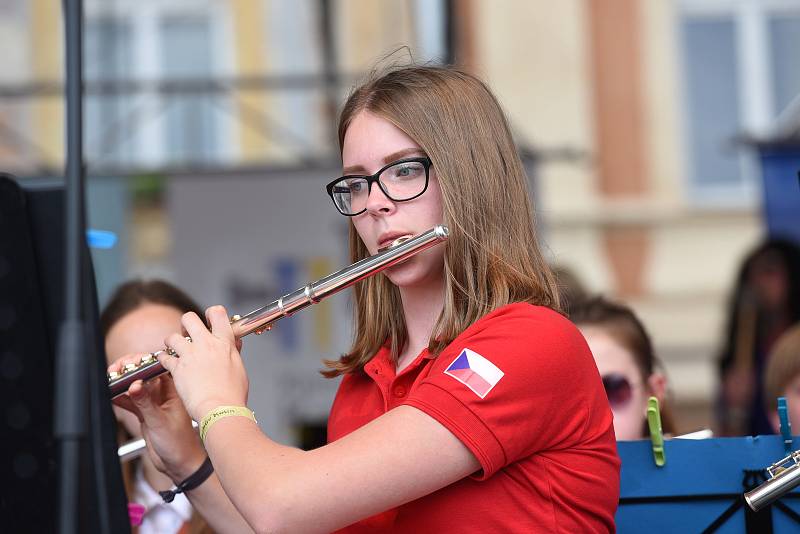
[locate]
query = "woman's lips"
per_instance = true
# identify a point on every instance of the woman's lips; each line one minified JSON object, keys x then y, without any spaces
{"x":393,"y":243}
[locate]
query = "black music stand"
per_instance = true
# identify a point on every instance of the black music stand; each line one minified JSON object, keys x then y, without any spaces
{"x":31,"y":310}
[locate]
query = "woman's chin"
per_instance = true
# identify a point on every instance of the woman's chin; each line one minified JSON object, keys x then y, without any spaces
{"x":424,"y":270}
{"x":404,"y":274}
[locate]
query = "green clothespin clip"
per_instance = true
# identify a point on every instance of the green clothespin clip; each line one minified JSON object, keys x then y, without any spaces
{"x":656,"y":436}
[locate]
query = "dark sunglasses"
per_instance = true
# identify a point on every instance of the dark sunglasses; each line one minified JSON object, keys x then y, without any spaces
{"x":618,"y":390}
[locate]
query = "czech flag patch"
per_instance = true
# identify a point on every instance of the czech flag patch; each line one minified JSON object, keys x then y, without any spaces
{"x":474,"y":371}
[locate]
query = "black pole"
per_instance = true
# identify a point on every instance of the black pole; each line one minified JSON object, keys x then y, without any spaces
{"x":450,"y":32}
{"x":71,"y":372}
{"x":330,"y":68}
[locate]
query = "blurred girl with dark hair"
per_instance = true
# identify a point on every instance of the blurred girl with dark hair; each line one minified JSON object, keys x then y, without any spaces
{"x":138,"y":316}
{"x":764,"y":304}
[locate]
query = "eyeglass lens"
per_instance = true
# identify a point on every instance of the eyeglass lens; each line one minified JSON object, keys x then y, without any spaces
{"x":402,"y":181}
{"x":618,"y":389}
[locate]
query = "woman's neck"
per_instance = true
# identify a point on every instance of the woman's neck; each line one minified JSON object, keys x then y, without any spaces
{"x":421,"y":308}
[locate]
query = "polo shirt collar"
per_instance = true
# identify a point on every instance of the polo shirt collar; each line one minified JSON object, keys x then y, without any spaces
{"x":383,"y":364}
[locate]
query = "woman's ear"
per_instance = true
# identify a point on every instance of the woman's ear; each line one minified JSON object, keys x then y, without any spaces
{"x":657,"y":386}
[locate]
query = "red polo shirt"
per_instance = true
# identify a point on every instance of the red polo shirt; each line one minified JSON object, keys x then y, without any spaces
{"x":526,"y":398}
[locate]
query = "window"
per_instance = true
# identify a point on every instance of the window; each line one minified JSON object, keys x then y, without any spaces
{"x":190,"y":127}
{"x":107,"y":53}
{"x":712,"y":100}
{"x":299,"y":123}
{"x":302,"y":115}
{"x":784,"y":33}
{"x":739,"y":72}
{"x":146,"y":44}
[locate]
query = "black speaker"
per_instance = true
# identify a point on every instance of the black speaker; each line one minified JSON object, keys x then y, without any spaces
{"x":31,"y":310}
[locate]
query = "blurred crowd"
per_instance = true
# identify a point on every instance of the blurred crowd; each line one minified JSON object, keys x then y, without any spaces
{"x":759,"y":348}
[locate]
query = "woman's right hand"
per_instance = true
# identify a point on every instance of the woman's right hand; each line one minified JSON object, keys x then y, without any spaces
{"x":173,"y":444}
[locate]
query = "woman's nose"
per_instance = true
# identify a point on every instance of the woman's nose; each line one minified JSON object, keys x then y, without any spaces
{"x":377,"y":201}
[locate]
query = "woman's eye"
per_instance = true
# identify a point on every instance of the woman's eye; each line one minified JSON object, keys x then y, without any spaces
{"x":405,"y":171}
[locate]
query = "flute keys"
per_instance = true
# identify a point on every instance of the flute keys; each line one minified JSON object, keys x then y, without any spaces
{"x":144,"y":360}
{"x":263,"y":329}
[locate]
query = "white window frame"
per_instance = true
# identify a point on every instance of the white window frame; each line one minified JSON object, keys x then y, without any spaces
{"x":144,"y":17}
{"x":756,"y":106}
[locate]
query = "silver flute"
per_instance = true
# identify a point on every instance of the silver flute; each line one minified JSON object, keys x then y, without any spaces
{"x":784,"y":476}
{"x":261,"y":319}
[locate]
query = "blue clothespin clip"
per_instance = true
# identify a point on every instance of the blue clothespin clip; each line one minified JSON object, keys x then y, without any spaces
{"x":100,"y":238}
{"x":786,"y":426}
{"x":656,"y":435}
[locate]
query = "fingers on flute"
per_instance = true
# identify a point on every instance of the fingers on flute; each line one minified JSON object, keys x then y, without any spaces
{"x":168,"y":362}
{"x":142,"y":395}
{"x":217,"y":317}
{"x":177,"y":343}
{"x":193,"y":325}
{"x":126,"y":402}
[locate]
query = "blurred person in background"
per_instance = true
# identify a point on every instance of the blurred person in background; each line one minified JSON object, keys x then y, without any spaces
{"x":137,"y":318}
{"x":764,"y":303}
{"x":467,"y":403}
{"x":627,"y":363}
{"x":782,"y":379}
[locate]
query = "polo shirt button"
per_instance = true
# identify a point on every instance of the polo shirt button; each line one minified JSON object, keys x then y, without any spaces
{"x":399,"y":391}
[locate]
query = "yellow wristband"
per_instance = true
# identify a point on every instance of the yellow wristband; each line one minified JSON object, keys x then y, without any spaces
{"x":223,"y":411}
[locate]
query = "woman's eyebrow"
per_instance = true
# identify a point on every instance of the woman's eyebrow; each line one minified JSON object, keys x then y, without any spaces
{"x":400,"y":154}
{"x":394,"y":156}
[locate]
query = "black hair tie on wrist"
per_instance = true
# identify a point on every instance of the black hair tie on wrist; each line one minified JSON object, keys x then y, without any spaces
{"x":191,"y":482}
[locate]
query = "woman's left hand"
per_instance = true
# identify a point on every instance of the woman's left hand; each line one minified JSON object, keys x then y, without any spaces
{"x":208,"y":371}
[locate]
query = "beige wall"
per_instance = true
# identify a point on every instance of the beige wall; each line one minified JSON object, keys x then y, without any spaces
{"x":662,"y":101}
{"x":248,"y":20}
{"x":534,"y":57}
{"x":368,"y":30}
{"x":47,"y":113}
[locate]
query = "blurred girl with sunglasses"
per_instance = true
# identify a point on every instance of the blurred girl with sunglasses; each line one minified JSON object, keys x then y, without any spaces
{"x":628,"y":366}
{"x":468,"y":403}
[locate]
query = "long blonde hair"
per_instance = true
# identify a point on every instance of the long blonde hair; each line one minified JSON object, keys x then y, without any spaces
{"x":492,"y":257}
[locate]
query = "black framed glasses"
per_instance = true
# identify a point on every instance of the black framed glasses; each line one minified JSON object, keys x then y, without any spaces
{"x":401,"y":180}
